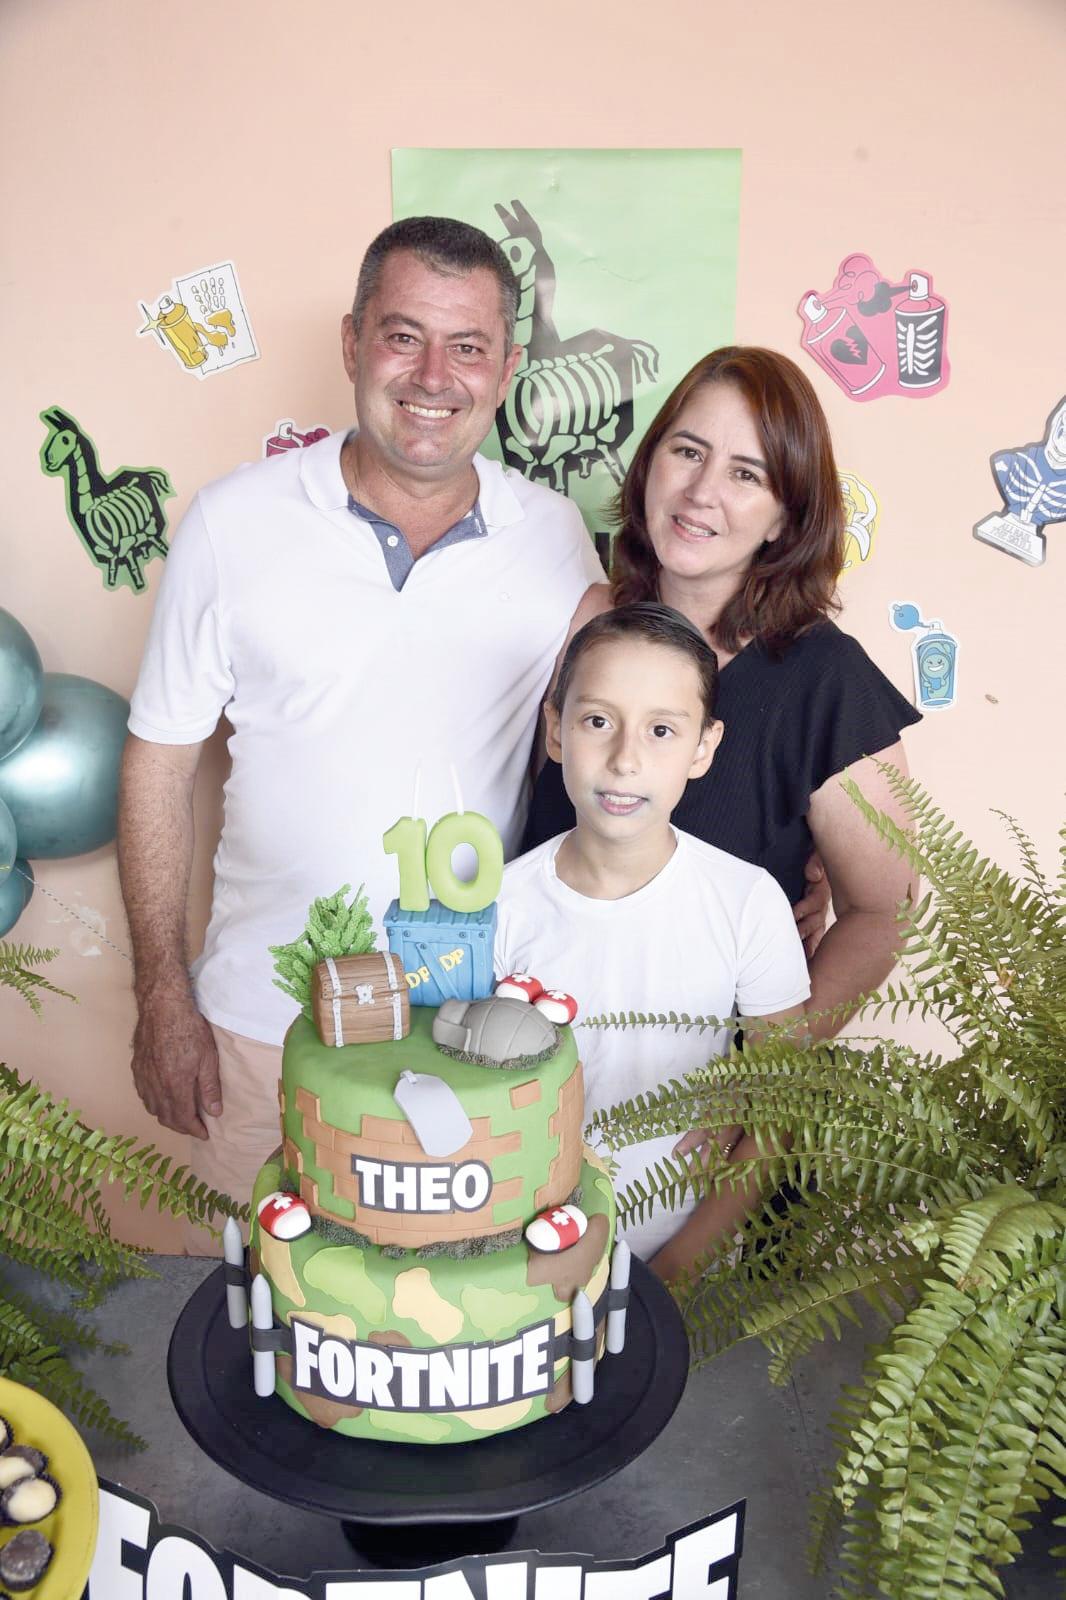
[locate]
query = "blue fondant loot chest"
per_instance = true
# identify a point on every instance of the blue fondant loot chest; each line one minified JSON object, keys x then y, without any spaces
{"x":445,"y":954}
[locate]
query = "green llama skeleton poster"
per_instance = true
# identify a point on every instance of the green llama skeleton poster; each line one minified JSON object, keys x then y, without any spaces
{"x":626,"y":267}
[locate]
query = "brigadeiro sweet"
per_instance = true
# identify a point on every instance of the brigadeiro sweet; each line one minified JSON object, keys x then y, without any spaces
{"x":6,"y":1435}
{"x":13,"y":1467}
{"x":24,"y":1559}
{"x":30,"y":1500}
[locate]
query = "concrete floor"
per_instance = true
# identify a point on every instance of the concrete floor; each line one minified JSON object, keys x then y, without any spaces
{"x":734,"y":1436}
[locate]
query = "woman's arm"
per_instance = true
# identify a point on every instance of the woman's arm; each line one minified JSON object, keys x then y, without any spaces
{"x":868,"y":881}
{"x":596,"y":598}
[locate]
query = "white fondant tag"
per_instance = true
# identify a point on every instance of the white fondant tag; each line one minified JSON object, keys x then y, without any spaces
{"x":434,"y":1111}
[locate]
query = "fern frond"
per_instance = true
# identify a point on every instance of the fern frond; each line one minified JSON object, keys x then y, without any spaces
{"x":27,"y":1357}
{"x":985,"y":1239}
{"x":37,"y":1129}
{"x":939,"y":1200}
{"x":53,"y":1219}
{"x":681,"y":1022}
{"x":962,"y":1435}
{"x":1034,"y":874}
{"x":17,"y":971}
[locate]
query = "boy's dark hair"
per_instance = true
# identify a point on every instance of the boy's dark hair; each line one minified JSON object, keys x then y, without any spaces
{"x":656,"y":624}
{"x":447,"y":246}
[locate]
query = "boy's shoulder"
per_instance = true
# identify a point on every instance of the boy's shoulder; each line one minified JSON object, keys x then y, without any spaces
{"x":707,"y":861}
{"x":520,"y":871}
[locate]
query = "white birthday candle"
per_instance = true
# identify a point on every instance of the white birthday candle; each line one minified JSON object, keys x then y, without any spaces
{"x":616,"y":1316}
{"x":262,"y":1322}
{"x":583,"y":1331}
{"x":236,"y":1296}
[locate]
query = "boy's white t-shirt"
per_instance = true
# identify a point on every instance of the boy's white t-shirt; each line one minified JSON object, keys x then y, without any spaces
{"x":710,"y":935}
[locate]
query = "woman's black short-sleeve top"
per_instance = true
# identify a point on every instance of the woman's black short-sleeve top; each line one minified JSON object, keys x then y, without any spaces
{"x":791,"y":722}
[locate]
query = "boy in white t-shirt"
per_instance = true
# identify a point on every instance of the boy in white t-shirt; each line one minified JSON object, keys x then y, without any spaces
{"x":627,"y":913}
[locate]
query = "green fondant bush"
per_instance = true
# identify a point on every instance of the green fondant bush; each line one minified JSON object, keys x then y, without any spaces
{"x":333,"y":929}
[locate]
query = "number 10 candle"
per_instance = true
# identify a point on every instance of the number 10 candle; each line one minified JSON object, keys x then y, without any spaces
{"x":426,"y":863}
{"x":445,"y":943}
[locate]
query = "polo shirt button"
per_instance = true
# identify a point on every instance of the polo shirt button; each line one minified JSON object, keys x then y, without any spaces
{"x":392,"y":541}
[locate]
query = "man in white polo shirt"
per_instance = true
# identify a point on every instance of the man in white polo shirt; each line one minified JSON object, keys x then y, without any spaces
{"x":381,"y":600}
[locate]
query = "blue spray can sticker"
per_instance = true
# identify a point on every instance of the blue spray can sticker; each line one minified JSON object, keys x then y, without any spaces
{"x":934,"y":657}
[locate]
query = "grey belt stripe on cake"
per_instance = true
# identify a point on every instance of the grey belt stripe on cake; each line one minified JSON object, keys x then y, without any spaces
{"x":278,"y":1339}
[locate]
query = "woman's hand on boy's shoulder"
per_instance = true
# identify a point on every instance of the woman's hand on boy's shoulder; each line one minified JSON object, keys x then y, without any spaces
{"x":702,"y":1139}
{"x":812,"y":912}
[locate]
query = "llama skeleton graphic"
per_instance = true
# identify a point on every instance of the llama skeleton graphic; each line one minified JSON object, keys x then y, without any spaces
{"x":571,"y":401}
{"x":120,"y":520}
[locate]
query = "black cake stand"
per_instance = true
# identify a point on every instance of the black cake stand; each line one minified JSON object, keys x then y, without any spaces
{"x":411,"y":1505}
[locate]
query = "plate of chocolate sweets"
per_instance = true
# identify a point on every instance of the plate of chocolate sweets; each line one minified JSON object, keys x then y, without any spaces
{"x":49,"y":1502}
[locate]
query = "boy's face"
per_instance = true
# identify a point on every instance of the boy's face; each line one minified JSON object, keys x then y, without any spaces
{"x":630,"y":737}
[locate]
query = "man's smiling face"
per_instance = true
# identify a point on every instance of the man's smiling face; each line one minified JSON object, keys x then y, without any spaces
{"x":429,"y":365}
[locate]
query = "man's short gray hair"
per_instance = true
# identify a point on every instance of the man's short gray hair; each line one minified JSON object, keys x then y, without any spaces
{"x":447,"y":246}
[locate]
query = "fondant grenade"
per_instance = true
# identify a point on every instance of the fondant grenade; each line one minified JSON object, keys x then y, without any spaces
{"x":283,"y":1216}
{"x":496,"y":1031}
{"x":557,"y":1228}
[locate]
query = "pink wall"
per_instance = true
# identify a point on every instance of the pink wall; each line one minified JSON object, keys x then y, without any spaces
{"x":141,"y":144}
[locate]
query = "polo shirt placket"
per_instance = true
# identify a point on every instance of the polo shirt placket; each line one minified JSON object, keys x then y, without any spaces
{"x":393,"y":541}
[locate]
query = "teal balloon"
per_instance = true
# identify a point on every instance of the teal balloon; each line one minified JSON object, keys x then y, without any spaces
{"x":21,"y":684}
{"x":8,"y":838}
{"x":61,"y":784}
{"x":15,"y":891}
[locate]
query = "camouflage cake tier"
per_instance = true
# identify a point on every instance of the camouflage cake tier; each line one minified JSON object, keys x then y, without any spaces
{"x":432,"y":1348}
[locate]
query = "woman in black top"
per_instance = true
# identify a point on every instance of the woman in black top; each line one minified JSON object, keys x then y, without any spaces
{"x":732,"y":513}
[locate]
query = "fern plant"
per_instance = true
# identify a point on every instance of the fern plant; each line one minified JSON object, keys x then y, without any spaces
{"x":334,"y":928}
{"x":931,"y":1187}
{"x":52,"y":1217}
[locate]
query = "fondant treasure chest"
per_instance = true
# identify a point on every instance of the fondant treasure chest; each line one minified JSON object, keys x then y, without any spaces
{"x":445,"y":954}
{"x":360,"y":999}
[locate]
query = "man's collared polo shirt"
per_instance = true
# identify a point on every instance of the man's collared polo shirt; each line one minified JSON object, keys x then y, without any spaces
{"x":393,"y":540}
{"x":277,"y":610}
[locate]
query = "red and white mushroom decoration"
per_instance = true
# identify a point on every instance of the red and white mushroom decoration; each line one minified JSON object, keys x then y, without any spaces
{"x":283,"y":1216}
{"x":557,"y":1006}
{"x":520,"y":986}
{"x":557,"y":1228}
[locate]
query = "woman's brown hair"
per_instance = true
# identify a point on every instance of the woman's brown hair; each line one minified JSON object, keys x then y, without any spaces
{"x":791,"y":583}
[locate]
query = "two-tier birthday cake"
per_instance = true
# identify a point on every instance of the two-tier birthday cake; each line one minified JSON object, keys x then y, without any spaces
{"x":432,"y":1248}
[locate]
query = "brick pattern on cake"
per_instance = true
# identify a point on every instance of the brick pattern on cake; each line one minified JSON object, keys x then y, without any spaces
{"x":384,"y":1139}
{"x":565,"y":1125}
{"x":525,"y":1094}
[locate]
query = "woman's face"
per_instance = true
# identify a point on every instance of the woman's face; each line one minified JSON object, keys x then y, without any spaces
{"x":708,"y":503}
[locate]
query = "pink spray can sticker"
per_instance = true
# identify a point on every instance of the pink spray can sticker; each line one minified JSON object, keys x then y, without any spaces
{"x":287,"y":437}
{"x":840,"y":335}
{"x":874,"y":337}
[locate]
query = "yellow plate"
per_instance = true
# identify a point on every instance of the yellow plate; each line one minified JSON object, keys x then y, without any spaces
{"x":71,"y":1528}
